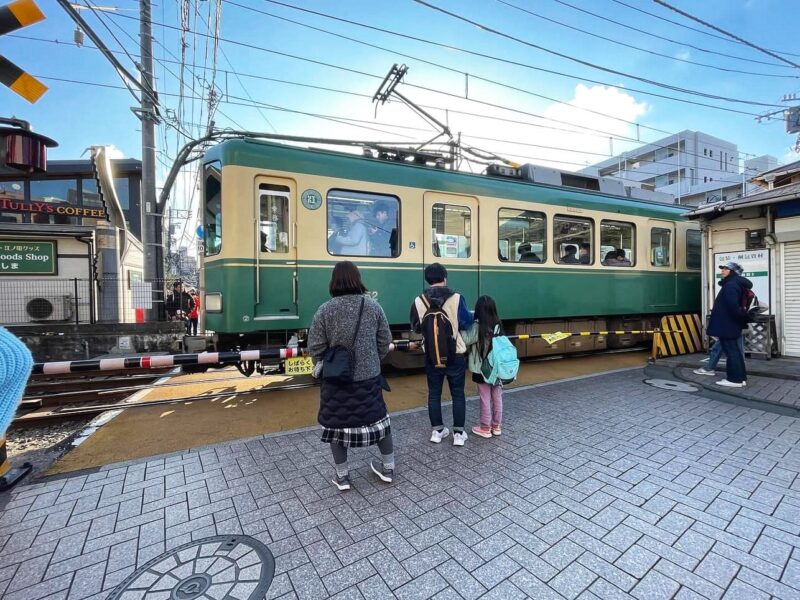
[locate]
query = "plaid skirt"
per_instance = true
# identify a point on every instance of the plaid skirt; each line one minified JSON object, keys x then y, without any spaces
{"x":357,"y":437}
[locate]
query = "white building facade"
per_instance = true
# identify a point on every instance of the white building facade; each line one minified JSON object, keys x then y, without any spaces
{"x":691,"y":165}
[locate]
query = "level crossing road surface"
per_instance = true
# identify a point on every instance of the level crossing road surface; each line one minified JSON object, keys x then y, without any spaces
{"x":599,"y":487}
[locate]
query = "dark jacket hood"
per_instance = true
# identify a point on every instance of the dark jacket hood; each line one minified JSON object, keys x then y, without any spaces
{"x":439,"y":294}
{"x":736,"y":279}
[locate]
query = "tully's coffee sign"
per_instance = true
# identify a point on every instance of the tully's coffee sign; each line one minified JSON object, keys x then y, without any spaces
{"x":51,"y":208}
{"x":27,"y":257}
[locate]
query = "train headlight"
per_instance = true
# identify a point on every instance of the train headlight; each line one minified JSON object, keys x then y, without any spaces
{"x":214,"y":302}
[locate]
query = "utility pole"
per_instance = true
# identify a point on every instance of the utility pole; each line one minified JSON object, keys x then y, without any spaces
{"x":151,"y":219}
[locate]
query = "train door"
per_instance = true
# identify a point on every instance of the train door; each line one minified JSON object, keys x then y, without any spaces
{"x":450,"y":226}
{"x":662,"y":292}
{"x":275,"y":248}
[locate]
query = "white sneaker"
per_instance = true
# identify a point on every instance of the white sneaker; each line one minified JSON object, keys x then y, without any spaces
{"x":726,"y":383}
{"x":438,"y":436}
{"x":702,"y":371}
{"x":459,"y":438}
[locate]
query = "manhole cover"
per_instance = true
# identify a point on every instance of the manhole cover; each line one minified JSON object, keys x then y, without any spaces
{"x":224,"y":566}
{"x":669,"y":384}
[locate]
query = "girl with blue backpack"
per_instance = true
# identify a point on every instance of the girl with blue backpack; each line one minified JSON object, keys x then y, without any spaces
{"x":493,"y":361}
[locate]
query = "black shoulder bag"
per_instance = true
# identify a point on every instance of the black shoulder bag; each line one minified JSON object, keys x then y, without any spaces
{"x":337,"y":363}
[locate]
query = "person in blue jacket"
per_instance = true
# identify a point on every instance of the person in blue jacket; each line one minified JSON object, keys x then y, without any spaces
{"x":727,"y":322}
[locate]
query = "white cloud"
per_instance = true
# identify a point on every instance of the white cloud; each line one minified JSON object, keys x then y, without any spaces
{"x":113,"y":152}
{"x":683,"y":54}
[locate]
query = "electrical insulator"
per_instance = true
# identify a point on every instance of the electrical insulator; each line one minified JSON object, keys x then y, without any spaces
{"x":78,"y":37}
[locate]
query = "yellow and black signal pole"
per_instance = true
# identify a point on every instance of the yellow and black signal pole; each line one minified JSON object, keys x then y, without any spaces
{"x":16,"y":15}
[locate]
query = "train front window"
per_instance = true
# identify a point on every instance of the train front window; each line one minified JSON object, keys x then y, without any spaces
{"x":617,"y":244}
{"x":694,"y":249}
{"x":521,"y":236}
{"x":452,"y":231}
{"x":212,"y":215}
{"x":660,"y":247}
{"x":273,"y":221}
{"x":363,"y":224}
{"x":572,"y":238}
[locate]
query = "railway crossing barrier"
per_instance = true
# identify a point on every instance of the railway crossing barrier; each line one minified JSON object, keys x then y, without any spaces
{"x":297,"y":363}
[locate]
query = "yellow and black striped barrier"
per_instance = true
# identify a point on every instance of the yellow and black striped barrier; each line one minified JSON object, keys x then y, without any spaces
{"x":10,"y":477}
{"x":678,"y":334}
{"x":16,"y":15}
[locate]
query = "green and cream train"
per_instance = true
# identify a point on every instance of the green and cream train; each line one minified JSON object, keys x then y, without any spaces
{"x":557,"y":256}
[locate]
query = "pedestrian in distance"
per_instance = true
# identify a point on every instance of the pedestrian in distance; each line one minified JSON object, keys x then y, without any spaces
{"x":478,"y":340}
{"x":727,"y":321}
{"x":179,"y":304}
{"x":348,"y":338}
{"x":439,"y":314}
{"x":194,"y":314}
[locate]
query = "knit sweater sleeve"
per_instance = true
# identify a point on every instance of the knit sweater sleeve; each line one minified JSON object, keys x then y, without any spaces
{"x":317,"y":336}
{"x":383,"y":333}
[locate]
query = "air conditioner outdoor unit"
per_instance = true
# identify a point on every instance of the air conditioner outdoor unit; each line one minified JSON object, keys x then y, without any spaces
{"x":49,"y":308}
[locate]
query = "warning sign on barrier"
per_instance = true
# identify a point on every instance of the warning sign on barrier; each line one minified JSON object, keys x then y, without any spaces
{"x":552,"y":338}
{"x":678,"y":334}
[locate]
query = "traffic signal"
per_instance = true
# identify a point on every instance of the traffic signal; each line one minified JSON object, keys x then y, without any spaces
{"x":16,"y":15}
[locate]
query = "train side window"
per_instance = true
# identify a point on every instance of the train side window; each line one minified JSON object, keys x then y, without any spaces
{"x":694,"y":249}
{"x":660,"y":247}
{"x":363,"y":224}
{"x":273,"y":220}
{"x":452,"y":231}
{"x":572,"y":238}
{"x":521,"y":236}
{"x":212,"y":215}
{"x":617,"y":243}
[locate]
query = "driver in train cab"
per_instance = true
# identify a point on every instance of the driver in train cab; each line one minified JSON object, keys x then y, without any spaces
{"x":356,"y":241}
{"x":569,"y":257}
{"x":379,"y":231}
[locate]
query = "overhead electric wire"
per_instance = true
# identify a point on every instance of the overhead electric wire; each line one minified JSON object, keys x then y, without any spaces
{"x":679,"y":24}
{"x":645,"y":50}
{"x":726,"y":32}
{"x":479,"y":54}
{"x":355,"y":123}
{"x":585,"y":63}
{"x":586,"y":131}
{"x":667,"y":39}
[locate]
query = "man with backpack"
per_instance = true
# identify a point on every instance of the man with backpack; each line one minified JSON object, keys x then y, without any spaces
{"x":728,"y":317}
{"x":438,"y":314}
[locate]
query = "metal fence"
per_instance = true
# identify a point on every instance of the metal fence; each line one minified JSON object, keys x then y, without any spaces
{"x":31,"y":300}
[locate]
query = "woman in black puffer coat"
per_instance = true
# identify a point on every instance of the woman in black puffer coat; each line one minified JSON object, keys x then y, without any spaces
{"x":353,"y":414}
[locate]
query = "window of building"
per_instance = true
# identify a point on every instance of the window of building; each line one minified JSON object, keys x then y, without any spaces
{"x":694,"y":249}
{"x":572,"y":238}
{"x":705,"y":151}
{"x":452,"y":231}
{"x":54,"y":191}
{"x":711,"y":154}
{"x":11,"y":194}
{"x":660,"y":247}
{"x":122,"y":185}
{"x":273,"y":220}
{"x":89,"y":194}
{"x":212,"y":215}
{"x":521,"y":236}
{"x":617,"y":243}
{"x":363,"y":224}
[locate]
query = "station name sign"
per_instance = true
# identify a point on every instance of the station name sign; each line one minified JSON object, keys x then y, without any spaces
{"x":51,"y":208}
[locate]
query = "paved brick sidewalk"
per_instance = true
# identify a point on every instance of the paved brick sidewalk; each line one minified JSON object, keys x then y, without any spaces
{"x":772,"y":389}
{"x":599,"y":488}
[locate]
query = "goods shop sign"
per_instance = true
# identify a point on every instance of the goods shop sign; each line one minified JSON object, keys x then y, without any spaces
{"x":27,"y":257}
{"x":51,"y":208}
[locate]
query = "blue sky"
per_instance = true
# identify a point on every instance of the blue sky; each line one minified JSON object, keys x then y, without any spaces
{"x":80,"y":115}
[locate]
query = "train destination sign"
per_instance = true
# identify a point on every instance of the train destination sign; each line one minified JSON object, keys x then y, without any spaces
{"x":51,"y":208}
{"x":27,"y":257}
